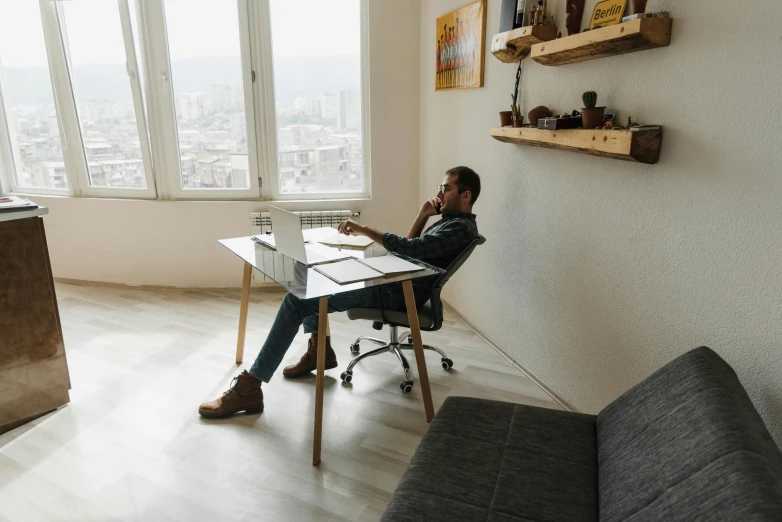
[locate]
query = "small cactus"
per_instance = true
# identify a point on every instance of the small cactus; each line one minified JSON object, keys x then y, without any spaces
{"x":590,"y":99}
{"x":515,"y":108}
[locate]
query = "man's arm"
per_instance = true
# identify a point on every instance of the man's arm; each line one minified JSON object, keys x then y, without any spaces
{"x":449,"y":240}
{"x":351,"y":227}
{"x":428,"y":209}
{"x":418,"y":226}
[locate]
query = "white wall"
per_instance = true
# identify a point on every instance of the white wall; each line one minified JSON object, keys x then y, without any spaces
{"x":175,"y":243}
{"x":597,"y":272}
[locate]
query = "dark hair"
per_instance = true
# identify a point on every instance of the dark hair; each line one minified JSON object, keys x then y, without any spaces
{"x":467,"y":179}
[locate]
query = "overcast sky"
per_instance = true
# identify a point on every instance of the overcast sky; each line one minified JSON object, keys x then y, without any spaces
{"x":197,"y":28}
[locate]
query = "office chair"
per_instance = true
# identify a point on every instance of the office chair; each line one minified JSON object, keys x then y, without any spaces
{"x":430,"y":318}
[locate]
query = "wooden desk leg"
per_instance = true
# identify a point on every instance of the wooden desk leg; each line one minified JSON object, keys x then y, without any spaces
{"x":323,"y":328}
{"x":248,"y":275}
{"x":418,"y":348}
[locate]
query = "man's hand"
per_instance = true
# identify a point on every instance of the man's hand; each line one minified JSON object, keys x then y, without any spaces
{"x":429,"y":208}
{"x":354,"y":228}
{"x":351,"y":228}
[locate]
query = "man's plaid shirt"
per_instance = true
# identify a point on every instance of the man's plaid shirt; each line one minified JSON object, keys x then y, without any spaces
{"x":439,"y":245}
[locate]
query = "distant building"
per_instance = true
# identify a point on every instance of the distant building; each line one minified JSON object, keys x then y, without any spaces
{"x":117,"y":173}
{"x":47,"y":174}
{"x":344,"y":107}
{"x":98,"y":150}
{"x":329,"y":106}
{"x":301,"y":105}
{"x":225,"y":98}
{"x":240,"y":171}
{"x":314,"y":107}
{"x":349,"y":113}
{"x":190,"y":105}
{"x":97,"y":110}
{"x":239,"y":130}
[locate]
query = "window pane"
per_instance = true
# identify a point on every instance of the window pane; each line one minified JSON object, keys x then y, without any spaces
{"x":27,"y":93}
{"x":103,"y":96}
{"x":318,"y":95}
{"x":206,"y":69}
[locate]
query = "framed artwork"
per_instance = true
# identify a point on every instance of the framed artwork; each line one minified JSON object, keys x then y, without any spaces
{"x":461,"y":40}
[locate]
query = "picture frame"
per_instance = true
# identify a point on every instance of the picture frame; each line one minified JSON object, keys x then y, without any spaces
{"x":460,"y":48}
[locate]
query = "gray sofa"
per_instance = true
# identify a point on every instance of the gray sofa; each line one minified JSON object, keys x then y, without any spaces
{"x":685,"y":444}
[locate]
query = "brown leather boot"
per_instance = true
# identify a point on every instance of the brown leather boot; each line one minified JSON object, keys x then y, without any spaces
{"x":309,"y":361}
{"x":244,"y":395}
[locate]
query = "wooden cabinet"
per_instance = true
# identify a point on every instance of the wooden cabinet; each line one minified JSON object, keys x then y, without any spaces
{"x":33,"y":370}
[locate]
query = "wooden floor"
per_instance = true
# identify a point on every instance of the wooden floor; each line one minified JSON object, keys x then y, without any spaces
{"x":131,"y":445}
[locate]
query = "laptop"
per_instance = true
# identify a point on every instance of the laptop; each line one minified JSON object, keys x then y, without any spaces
{"x":289,"y":240}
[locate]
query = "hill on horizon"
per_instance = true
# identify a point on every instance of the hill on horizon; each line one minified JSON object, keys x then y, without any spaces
{"x":305,"y":76}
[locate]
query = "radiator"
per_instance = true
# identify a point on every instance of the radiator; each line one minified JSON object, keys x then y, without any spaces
{"x":309,"y":219}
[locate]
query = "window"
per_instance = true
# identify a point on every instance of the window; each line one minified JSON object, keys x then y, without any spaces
{"x":30,"y":145}
{"x":184,"y":99}
{"x":102,"y":88}
{"x":206,"y":72}
{"x":318,"y":94}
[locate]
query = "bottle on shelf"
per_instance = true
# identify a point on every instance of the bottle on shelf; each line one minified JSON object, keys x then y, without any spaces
{"x":520,"y":8}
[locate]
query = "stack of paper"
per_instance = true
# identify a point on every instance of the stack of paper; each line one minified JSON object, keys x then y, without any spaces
{"x":15,"y":204}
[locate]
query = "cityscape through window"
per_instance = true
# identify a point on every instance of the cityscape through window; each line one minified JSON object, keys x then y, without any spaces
{"x":32,"y":123}
{"x":318,"y":95}
{"x":107,"y":114}
{"x":95,"y":93}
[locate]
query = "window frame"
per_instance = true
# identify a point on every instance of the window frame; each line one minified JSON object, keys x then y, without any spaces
{"x":66,"y":88}
{"x":8,"y":162}
{"x":155,"y":17}
{"x":272,"y":169}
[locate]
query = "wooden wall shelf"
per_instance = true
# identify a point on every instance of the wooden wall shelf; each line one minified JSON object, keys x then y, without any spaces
{"x":512,"y":46}
{"x":629,"y":37}
{"x":640,"y":144}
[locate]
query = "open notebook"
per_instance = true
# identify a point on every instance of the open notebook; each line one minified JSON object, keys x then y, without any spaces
{"x":355,"y":270}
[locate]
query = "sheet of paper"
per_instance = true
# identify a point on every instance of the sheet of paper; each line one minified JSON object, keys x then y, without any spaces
{"x":15,"y":203}
{"x":391,"y":265}
{"x":266,"y":239}
{"x":314,"y":235}
{"x":347,"y":271}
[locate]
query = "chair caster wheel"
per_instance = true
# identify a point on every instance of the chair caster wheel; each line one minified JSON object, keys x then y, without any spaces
{"x":406,"y":386}
{"x":409,"y":339}
{"x":447,"y":364}
{"x":355,"y":349}
{"x":347,"y":377}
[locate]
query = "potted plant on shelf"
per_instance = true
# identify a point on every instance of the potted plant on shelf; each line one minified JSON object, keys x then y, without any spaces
{"x":516,"y":116}
{"x":591,"y":116}
{"x":506,"y":118}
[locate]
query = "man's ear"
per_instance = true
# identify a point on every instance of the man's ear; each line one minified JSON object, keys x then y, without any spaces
{"x":466,"y":195}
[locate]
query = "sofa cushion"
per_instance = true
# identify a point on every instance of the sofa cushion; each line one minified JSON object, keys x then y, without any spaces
{"x":687,"y":444}
{"x":500,"y":462}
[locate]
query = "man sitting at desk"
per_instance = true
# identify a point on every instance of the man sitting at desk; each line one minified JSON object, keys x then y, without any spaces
{"x":439,"y":245}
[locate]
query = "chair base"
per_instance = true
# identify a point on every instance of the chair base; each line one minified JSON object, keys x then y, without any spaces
{"x":393,"y":346}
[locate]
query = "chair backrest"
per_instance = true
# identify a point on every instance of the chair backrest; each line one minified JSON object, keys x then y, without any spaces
{"x":437,"y":304}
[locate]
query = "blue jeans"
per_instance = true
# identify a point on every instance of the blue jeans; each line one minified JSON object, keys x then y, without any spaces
{"x":294,"y":312}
